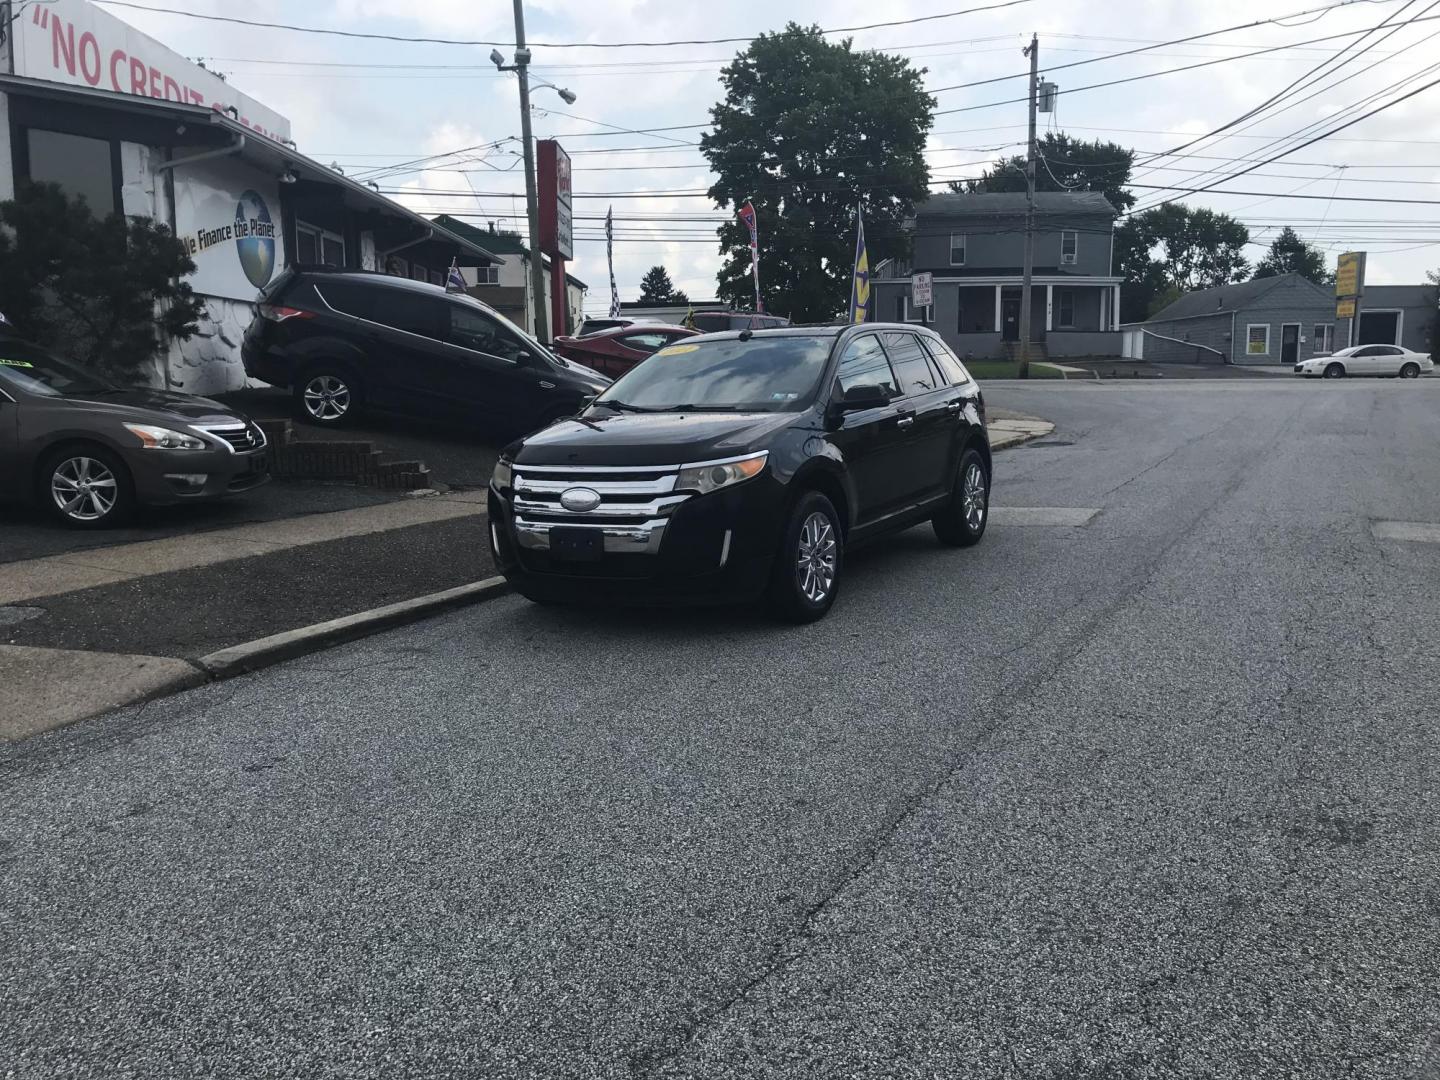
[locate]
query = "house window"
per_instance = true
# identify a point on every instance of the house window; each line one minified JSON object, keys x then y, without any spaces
{"x":907,"y":313}
{"x":1323,"y":340}
{"x":1257,"y":339}
{"x":957,"y":249}
{"x":315,"y":245}
{"x":487,"y":275}
{"x":81,"y":166}
{"x":1067,"y":308}
{"x":1069,"y":246}
{"x":418,"y":272}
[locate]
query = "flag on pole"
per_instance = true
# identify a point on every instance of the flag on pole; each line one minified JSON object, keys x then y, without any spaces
{"x":610,"y":258}
{"x":860,"y":285}
{"x":454,"y":280}
{"x":746,"y":214}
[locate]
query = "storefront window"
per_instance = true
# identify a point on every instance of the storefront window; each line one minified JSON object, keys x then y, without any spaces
{"x":81,"y":166}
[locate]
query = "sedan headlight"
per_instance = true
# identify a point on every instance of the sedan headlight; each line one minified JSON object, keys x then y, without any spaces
{"x":501,"y":476}
{"x":159,"y":438}
{"x":716,"y":475}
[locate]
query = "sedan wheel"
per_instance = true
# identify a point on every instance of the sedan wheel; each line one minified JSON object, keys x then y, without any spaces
{"x":1410,"y":371}
{"x":87,"y":489}
{"x":1335,"y":371}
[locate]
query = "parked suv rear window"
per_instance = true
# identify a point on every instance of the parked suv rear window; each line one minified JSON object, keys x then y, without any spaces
{"x":912,"y":366}
{"x":948,"y":363}
{"x":402,"y":309}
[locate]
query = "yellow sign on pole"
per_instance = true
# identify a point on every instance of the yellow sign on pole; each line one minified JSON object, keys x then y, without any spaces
{"x":1350,"y":274}
{"x":1345,"y":309}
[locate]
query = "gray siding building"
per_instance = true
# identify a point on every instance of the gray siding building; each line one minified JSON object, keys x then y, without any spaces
{"x":974,"y":245}
{"x":1394,"y":315}
{"x":1274,"y":320}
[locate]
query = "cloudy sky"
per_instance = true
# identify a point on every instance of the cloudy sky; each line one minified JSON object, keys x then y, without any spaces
{"x":375,"y":107}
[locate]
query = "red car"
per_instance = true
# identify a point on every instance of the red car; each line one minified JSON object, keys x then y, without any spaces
{"x":614,"y":352}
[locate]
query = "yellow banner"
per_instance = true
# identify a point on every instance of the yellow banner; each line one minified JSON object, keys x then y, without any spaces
{"x":1345,"y":309}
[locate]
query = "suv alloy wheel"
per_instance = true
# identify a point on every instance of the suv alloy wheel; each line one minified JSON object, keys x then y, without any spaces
{"x":962,"y":522}
{"x":326,"y":396}
{"x":806,"y":577}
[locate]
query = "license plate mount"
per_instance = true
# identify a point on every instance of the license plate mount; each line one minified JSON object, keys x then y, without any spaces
{"x":576,"y":545}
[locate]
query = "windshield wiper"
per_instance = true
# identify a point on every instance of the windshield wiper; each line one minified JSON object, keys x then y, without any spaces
{"x":692,"y":407}
{"x":622,"y":406}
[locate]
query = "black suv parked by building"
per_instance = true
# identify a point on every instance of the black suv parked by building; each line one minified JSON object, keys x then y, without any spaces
{"x":732,"y":466}
{"x":348,"y":340}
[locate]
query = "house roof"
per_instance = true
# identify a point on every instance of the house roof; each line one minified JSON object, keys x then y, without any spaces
{"x":499,"y":243}
{"x":1013,"y":202}
{"x":1228,"y":298}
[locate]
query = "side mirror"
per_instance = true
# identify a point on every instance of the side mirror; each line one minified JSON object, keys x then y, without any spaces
{"x":863,"y":397}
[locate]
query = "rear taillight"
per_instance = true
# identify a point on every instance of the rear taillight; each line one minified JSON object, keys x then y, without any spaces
{"x":279,"y":312}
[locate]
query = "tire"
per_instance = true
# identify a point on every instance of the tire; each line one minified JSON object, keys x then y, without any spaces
{"x":806,"y":578}
{"x":86,"y":487}
{"x":962,"y":522}
{"x":327,"y":397}
{"x":1410,"y":371}
{"x":1334,"y":371}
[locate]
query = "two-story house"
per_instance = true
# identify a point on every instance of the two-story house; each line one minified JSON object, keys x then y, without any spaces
{"x":974,"y":245}
{"x":506,"y":285}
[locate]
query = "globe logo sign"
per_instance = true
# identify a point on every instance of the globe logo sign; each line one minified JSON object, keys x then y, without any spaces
{"x":255,"y":238}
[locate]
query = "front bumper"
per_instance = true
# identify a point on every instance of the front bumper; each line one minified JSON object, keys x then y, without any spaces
{"x":166,"y":477}
{"x":711,"y":549}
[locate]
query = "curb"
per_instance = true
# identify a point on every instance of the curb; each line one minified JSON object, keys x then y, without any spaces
{"x":254,"y":655}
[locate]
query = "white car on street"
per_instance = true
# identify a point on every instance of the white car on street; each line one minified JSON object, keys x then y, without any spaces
{"x":1368,"y":360}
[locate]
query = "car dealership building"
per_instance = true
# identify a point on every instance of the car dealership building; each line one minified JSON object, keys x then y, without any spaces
{"x":110,"y":114}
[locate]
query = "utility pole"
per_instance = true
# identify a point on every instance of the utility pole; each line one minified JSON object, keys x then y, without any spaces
{"x":532,"y":197}
{"x":1029,"y":271}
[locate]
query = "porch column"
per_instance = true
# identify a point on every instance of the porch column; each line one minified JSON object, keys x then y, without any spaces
{"x":1049,"y":308}
{"x":1115,"y":318}
{"x":999,"y":317}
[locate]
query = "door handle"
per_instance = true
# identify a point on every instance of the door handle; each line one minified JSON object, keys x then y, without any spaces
{"x":545,"y":385}
{"x":954,"y":406}
{"x":905,"y":422}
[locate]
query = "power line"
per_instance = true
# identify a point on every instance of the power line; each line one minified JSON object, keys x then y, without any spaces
{"x":551,"y":44}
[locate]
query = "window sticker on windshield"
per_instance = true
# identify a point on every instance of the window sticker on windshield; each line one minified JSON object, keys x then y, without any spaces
{"x":676,"y":350}
{"x":16,"y":363}
{"x":781,"y":396}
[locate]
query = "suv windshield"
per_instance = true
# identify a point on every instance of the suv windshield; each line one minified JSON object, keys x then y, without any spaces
{"x":35,"y":371}
{"x":761,"y":374}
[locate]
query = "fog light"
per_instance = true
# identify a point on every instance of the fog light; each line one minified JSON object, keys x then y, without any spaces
{"x":193,"y":480}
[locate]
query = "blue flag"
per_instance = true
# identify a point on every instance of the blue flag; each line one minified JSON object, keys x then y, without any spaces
{"x":860,"y":286}
{"x":455,"y":281}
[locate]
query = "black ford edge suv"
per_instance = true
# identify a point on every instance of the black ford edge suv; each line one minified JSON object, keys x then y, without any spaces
{"x":734,"y":466}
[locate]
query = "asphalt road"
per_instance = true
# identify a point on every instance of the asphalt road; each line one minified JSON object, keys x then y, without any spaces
{"x":1150,"y":798}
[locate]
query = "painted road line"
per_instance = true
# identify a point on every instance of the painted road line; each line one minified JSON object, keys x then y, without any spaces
{"x":1415,"y":532}
{"x":1074,"y":517}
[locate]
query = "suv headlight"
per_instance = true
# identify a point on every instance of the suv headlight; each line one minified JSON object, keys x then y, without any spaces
{"x":501,"y":476}
{"x":708,"y":478}
{"x":159,"y":438}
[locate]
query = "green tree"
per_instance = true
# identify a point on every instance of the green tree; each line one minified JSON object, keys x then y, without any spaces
{"x":810,"y":129}
{"x":1065,"y":164}
{"x":1176,"y":246}
{"x":657,"y":288}
{"x":1289,"y":254}
{"x":100,"y":291}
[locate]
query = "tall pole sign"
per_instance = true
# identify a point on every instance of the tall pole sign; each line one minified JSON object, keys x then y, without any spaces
{"x":1028,"y":271}
{"x":557,"y":230}
{"x":1349,"y":288}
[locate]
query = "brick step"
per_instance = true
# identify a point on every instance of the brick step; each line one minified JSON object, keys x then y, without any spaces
{"x":349,"y":460}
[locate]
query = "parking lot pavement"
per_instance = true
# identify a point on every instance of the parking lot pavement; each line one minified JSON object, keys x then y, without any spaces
{"x":1146,"y":796}
{"x":27,"y":533}
{"x":458,"y":457}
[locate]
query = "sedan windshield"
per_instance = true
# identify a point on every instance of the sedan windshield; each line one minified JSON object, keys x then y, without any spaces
{"x":35,"y":371}
{"x":760,"y":374}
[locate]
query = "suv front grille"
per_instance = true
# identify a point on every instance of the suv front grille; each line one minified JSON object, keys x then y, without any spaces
{"x":242,"y":438}
{"x":630,"y":506}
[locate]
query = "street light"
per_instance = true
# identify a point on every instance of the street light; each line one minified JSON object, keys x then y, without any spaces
{"x":532,"y":199}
